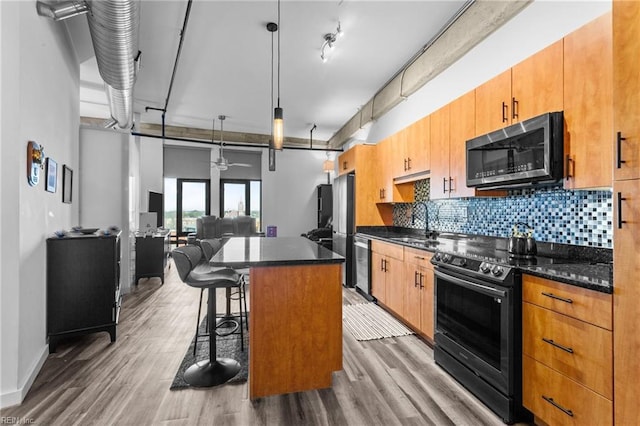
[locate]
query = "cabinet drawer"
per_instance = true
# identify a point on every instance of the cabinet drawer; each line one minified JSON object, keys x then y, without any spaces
{"x":579,"y":350}
{"x":586,"y":305}
{"x":418,"y":257}
{"x":386,"y":249}
{"x":557,"y":400}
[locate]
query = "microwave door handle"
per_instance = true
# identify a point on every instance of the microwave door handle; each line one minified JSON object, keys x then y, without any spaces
{"x":489,"y":291}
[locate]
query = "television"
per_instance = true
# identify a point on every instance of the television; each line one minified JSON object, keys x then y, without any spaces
{"x":156,"y":205}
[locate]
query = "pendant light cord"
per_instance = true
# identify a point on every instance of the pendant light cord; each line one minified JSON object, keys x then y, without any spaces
{"x":279,"y":53}
{"x":271,"y":111}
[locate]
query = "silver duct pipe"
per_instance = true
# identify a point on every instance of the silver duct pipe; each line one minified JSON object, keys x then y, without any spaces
{"x":63,"y":10}
{"x":114,"y":32}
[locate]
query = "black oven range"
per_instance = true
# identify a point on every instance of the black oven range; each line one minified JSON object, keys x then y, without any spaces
{"x":477,"y":322}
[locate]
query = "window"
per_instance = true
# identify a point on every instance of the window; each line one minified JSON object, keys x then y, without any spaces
{"x":240,"y":197}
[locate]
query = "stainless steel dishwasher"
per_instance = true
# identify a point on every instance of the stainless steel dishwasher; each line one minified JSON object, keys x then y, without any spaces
{"x":362,"y":257}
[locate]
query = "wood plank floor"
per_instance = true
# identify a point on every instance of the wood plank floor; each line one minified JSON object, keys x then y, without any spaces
{"x":89,"y":381}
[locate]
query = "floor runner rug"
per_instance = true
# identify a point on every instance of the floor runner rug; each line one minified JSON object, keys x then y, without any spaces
{"x":368,"y":321}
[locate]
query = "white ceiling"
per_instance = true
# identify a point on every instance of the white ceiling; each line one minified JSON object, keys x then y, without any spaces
{"x":225,"y":64}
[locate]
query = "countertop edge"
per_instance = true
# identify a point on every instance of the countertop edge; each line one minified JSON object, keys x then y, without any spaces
{"x":548,"y":275}
{"x":265,"y":263}
{"x":577,"y":283}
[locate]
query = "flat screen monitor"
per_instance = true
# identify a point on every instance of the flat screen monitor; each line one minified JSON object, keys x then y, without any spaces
{"x":156,"y":205}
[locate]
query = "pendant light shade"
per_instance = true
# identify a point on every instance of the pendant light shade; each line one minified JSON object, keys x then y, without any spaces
{"x":278,"y":129}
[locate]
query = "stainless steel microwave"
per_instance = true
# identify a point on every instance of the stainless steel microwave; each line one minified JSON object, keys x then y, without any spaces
{"x":523,"y":154}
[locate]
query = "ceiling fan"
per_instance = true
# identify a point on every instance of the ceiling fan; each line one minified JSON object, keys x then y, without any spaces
{"x":222,"y":163}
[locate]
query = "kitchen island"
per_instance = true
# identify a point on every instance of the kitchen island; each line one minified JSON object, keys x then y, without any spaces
{"x":295,"y":326}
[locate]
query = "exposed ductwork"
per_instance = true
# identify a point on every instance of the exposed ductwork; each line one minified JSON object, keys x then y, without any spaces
{"x":455,"y":39}
{"x":114,"y":28}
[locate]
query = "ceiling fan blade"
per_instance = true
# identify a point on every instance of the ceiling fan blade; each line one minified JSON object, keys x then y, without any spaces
{"x":240,"y":164}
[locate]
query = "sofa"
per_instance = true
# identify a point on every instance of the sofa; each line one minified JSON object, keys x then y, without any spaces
{"x":217,"y":227}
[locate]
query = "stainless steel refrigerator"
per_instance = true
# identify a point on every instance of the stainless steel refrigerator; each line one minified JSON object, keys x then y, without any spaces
{"x":344,"y":226}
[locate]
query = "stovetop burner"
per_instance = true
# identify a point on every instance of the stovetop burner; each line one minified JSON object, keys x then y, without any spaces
{"x":487,"y":262}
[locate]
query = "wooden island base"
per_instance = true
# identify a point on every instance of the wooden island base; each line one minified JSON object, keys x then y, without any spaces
{"x":295,"y":328}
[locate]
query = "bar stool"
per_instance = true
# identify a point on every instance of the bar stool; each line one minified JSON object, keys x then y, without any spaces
{"x":210,"y":246}
{"x":213,"y":371}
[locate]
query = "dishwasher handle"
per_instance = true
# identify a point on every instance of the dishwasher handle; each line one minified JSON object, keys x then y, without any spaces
{"x":361,"y":244}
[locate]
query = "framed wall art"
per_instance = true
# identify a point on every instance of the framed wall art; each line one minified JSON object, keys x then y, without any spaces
{"x":67,"y":184}
{"x":51,"y":175}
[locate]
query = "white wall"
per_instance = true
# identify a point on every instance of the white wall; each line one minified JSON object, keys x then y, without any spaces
{"x":151,"y":160}
{"x":537,"y":26}
{"x":289,"y":198}
{"x":110,"y":187}
{"x":40,"y":101}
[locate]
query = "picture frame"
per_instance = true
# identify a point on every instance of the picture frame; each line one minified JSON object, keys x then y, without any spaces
{"x":67,"y":184}
{"x":51,"y":175}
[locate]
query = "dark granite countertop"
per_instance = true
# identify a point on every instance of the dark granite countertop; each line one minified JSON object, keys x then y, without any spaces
{"x":240,"y":252}
{"x":598,"y":277}
{"x":585,"y":267}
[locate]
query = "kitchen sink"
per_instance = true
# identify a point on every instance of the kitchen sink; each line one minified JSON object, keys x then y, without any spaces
{"x":414,"y":240}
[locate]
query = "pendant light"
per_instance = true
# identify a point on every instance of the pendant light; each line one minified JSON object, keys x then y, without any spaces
{"x":278,"y":118}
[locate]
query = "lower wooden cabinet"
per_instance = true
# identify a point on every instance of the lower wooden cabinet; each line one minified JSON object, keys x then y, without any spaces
{"x":558,"y":400}
{"x":418,"y":283}
{"x":567,"y":347}
{"x":386,"y":275}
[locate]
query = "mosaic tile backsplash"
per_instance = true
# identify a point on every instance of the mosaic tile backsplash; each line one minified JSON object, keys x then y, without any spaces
{"x":558,"y":216}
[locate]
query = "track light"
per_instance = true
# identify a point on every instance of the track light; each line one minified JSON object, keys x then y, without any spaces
{"x":329,"y":40}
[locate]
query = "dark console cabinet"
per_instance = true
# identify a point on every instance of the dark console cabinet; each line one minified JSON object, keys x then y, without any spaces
{"x":152,"y":252}
{"x":83,"y":286}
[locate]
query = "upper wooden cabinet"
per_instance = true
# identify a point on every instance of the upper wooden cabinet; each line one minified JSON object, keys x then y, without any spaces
{"x":413,"y":149}
{"x":530,"y":88}
{"x":451,"y":127}
{"x":588,"y":103}
{"x":439,"y":153}
{"x":384,"y":166}
{"x":536,"y":84}
{"x":626,"y":89}
{"x":362,"y":160}
{"x":461,"y":128}
{"x":493,"y":104}
{"x":347,"y":161}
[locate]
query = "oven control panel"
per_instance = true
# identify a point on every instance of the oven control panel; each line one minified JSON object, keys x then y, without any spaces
{"x":479,"y":267}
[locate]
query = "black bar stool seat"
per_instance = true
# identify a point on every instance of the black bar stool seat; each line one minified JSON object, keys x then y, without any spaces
{"x":213,"y":371}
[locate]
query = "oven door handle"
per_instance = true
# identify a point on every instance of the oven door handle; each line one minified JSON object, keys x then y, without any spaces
{"x":490,"y":291}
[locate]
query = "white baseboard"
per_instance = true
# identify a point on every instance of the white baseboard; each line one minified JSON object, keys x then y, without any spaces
{"x":16,"y":397}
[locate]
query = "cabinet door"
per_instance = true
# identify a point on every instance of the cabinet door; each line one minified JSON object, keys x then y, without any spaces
{"x":461,"y":129}
{"x":394,"y":285}
{"x":558,"y":400}
{"x":440,"y":153}
{"x":378,"y":288}
{"x":418,"y":146}
{"x":397,"y":154}
{"x":536,"y":84}
{"x":383,"y":176}
{"x":493,"y":104}
{"x":426,"y":301}
{"x":588,"y":101}
{"x":626,"y":88}
{"x":347,"y":161}
{"x":412,"y":294}
{"x":626,"y":309}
